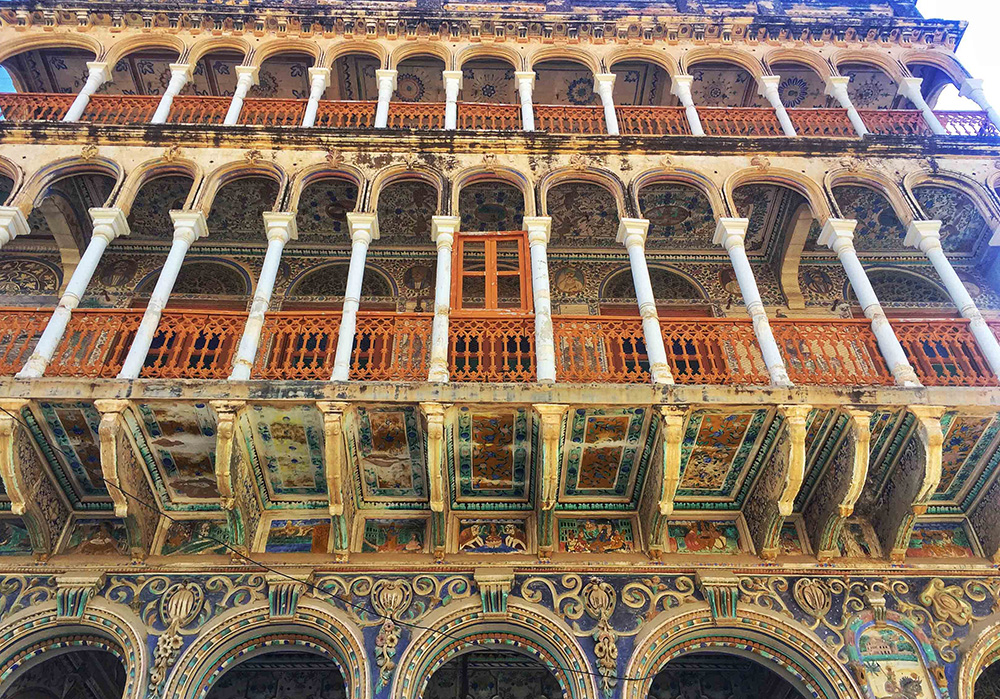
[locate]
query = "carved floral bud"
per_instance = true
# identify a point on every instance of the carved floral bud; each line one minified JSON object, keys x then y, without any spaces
{"x":181,"y":604}
{"x":813,"y":596}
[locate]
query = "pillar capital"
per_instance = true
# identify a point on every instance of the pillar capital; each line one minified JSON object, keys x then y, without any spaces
{"x":183,"y":70}
{"x":633,"y":231}
{"x":680,"y":86}
{"x":12,"y":224}
{"x":383,"y":74}
{"x":364,"y":226}
{"x":539,"y":229}
{"x":444,"y":229}
{"x":923,"y":235}
{"x":109,"y":223}
{"x":731,"y":232}
{"x":248,"y":74}
{"x":970,"y":87}
{"x":768,"y":82}
{"x":837,"y":83}
{"x":910,"y":87}
{"x":100,"y":70}
{"x":319,"y":77}
{"x":452,"y":76}
{"x":525,"y":76}
{"x":189,"y":225}
{"x":281,"y":226}
{"x":838,"y":233}
{"x":604,"y":81}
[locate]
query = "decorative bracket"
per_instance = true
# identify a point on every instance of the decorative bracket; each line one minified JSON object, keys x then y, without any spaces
{"x":227,"y":416}
{"x":494,"y":586}
{"x":74,"y":591}
{"x":550,"y":433}
{"x":17,"y":489}
{"x":722,"y":591}
{"x":112,"y":424}
{"x":673,"y":419}
{"x":434,"y":414}
{"x":283,"y":592}
{"x":335,"y":454}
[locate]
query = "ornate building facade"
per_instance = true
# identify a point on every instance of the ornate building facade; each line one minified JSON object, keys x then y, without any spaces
{"x":581,"y":349}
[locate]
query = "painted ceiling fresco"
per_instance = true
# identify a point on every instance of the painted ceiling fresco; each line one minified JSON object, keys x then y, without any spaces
{"x":419,"y":80}
{"x":605,"y":454}
{"x":181,"y":439}
{"x":72,"y":431}
{"x":642,"y":83}
{"x":564,"y":82}
{"x":50,"y":70}
{"x":964,"y":229}
{"x":879,"y":229}
{"x":680,"y":217}
{"x":491,"y":206}
{"x":206,"y":278}
{"x":667,"y":286}
{"x":70,"y":199}
{"x":284,"y":76}
{"x":488,"y":81}
{"x":493,"y":456}
{"x":322,"y":212}
{"x":330,"y":281}
{"x":584,"y":215}
{"x":353,"y":78}
{"x":870,"y":88}
{"x":214,"y":75}
{"x":967,"y":441}
{"x":771,"y":210}
{"x":724,"y":85}
{"x":238,"y":208}
{"x":405,"y":210}
{"x":894,"y":287}
{"x":149,"y":218}
{"x":26,"y":278}
{"x":386,"y":447}
{"x":801,"y":87}
{"x":288,"y":445}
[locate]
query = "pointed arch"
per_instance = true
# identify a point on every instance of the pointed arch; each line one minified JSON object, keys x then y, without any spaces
{"x":642,"y":53}
{"x":32,"y":41}
{"x":400,"y":173}
{"x":803,"y":57}
{"x":16,"y":175}
{"x":982,"y":649}
{"x":691,"y":178}
{"x":313,"y":173}
{"x":420,"y":49}
{"x":354,"y":46}
{"x":729,"y":54}
{"x":945,"y":62}
{"x":479,"y":52}
{"x":878,"y":59}
{"x":275,"y":47}
{"x":61,"y":169}
{"x":563,"y":53}
{"x":201,"y":48}
{"x":872,"y":180}
{"x":987,"y":206}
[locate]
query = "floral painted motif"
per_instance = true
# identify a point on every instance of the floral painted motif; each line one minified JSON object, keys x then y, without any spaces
{"x":493,"y":455}
{"x":879,"y":229}
{"x":491,"y":206}
{"x":604,"y":452}
{"x":288,"y":443}
{"x":679,"y":215}
{"x":405,"y":210}
{"x":583,"y":215}
{"x":962,"y":437}
{"x":238,"y":210}
{"x":322,"y":213}
{"x":391,"y":453}
{"x":964,"y":229}
{"x":149,"y":217}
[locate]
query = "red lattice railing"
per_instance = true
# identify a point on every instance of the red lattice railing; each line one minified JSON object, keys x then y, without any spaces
{"x":724,"y":121}
{"x":492,"y":349}
{"x":713,"y":351}
{"x":831,"y":352}
{"x":968,"y":124}
{"x":297,"y":345}
{"x":20,"y":329}
{"x":944,"y":352}
{"x":38,"y":106}
{"x":489,"y":117}
{"x":416,"y":115}
{"x":558,"y":118}
{"x":895,"y":122}
{"x":345,"y":115}
{"x":194,"y":344}
{"x":391,"y":347}
{"x":822,"y":123}
{"x":120,"y":109}
{"x":653,"y":121}
{"x":95,"y":343}
{"x":197,"y":109}
{"x":605,"y":350}
{"x":261,"y":111}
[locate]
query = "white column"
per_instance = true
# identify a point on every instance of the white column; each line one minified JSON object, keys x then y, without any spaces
{"x":632,"y":233}
{"x":180,"y":73}
{"x":189,"y":226}
{"x":443,"y":232}
{"x":108,"y":225}
{"x":246,"y":78}
{"x":926,"y":236}
{"x":973,"y":89}
{"x":319,"y":80}
{"x":731,"y":234}
{"x":386,"y":86}
{"x":769,"y":91}
{"x":280,"y":227}
{"x":838,"y":234}
{"x":910,"y":88}
{"x":539,"y":228}
{"x":98,"y":75}
{"x":836,"y":87}
{"x":364,"y":229}
{"x":452,"y":84}
{"x":680,"y":86}
{"x":12,"y":224}
{"x":604,"y":85}
{"x":525,"y":88}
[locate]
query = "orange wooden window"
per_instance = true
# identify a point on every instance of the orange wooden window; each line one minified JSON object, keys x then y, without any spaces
{"x":491,"y":272}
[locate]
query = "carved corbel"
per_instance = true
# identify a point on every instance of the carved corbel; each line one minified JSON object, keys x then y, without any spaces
{"x":550,"y":433}
{"x":284,"y":591}
{"x":494,"y":586}
{"x":337,"y":478}
{"x":111,"y":428}
{"x":74,"y":591}
{"x":778,"y":485}
{"x":227,"y":413}
{"x":840,"y":486}
{"x":434,"y":414}
{"x":722,"y":592}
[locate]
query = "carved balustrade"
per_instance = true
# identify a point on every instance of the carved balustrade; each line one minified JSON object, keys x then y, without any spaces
{"x":831,"y":352}
{"x":34,"y":106}
{"x":492,"y":348}
{"x":968,"y":124}
{"x":489,"y":117}
{"x":416,"y":115}
{"x":558,"y":118}
{"x":95,"y":343}
{"x":345,"y":115}
{"x":605,"y":350}
{"x":194,"y":344}
{"x":713,"y":351}
{"x":391,"y":346}
{"x":261,"y":111}
{"x":20,"y":329}
{"x":944,"y":352}
{"x":297,"y":345}
{"x":653,"y":121}
{"x":822,"y":123}
{"x":120,"y":109}
{"x":197,"y":109}
{"x":724,"y":121}
{"x":895,"y":122}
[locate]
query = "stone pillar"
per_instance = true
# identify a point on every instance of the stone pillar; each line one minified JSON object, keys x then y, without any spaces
{"x":452,"y":84}
{"x":99,"y":73}
{"x":108,"y":225}
{"x":246,"y":78}
{"x":180,"y":73}
{"x":926,"y":236}
{"x":604,"y":85}
{"x":386,"y":86}
{"x":769,"y":91}
{"x":189,"y":226}
{"x":973,"y":89}
{"x":836,"y":87}
{"x":443,"y":232}
{"x":632,"y":233}
{"x":319,"y":80}
{"x":364,"y":229}
{"x":731,"y":234}
{"x":681,"y":87}
{"x":12,"y":224}
{"x":838,"y":234}
{"x":539,"y":228}
{"x":525,"y":88}
{"x":280,"y":227}
{"x":910,"y":88}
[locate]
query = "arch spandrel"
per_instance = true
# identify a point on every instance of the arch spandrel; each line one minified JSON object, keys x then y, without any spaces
{"x":145,"y":43}
{"x":811,"y":190}
{"x":29,"y":195}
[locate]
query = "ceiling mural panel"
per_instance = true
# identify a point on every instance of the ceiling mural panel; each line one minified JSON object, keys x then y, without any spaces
{"x":72,"y":430}
{"x":641,"y":83}
{"x":405,"y":210}
{"x":181,"y":439}
{"x":322,"y":212}
{"x":149,"y":218}
{"x":285,"y":76}
{"x":724,"y":85}
{"x":602,"y":453}
{"x":140,"y":74}
{"x":968,"y":444}
{"x":897,"y":288}
{"x":353,"y":78}
{"x":419,"y":80}
{"x":964,"y":229}
{"x":490,"y":82}
{"x":667,"y":287}
{"x":386,"y":448}
{"x":564,"y":82}
{"x":238,"y":208}
{"x":879,"y":229}
{"x":870,"y":88}
{"x":680,"y":217}
{"x":51,"y":70}
{"x":491,"y":206}
{"x":288,"y":443}
{"x":717,"y":451}
{"x":493,"y":455}
{"x":214,"y":75}
{"x":207,"y":278}
{"x":771,"y":210}
{"x":26,"y":277}
{"x":801,"y":87}
{"x":583,"y":215}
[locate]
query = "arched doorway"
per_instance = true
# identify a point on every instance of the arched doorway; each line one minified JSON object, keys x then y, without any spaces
{"x":82,"y":674}
{"x":721,"y":675}
{"x":291,"y":674}
{"x":988,"y":683}
{"x":494,"y":674}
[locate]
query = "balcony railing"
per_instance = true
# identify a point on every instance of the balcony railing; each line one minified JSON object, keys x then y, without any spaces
{"x":895,"y":122}
{"x":944,"y":353}
{"x":968,"y":124}
{"x":603,"y":350}
{"x":722,"y":121}
{"x":489,"y":117}
{"x":120,"y":109}
{"x":822,"y":123}
{"x":19,"y":332}
{"x":492,"y":349}
{"x":831,"y":352}
{"x":297,"y":345}
{"x":34,"y":106}
{"x":416,"y":115}
{"x":713,"y":351}
{"x":559,"y":118}
{"x":653,"y":121}
{"x":194,"y":344}
{"x":197,"y":109}
{"x":345,"y":115}
{"x":392,"y":347}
